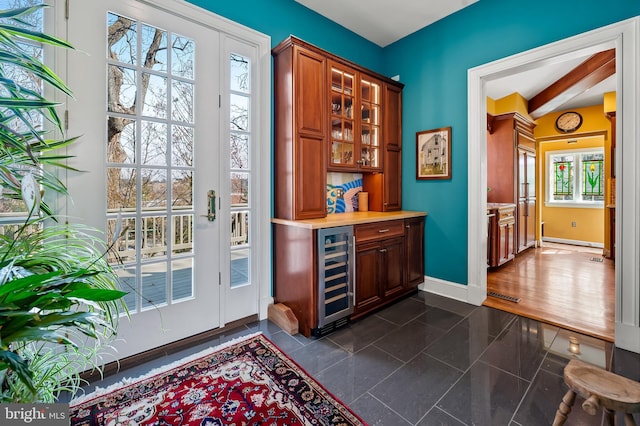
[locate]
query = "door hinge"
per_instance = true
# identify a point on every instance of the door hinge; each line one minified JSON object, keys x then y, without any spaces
{"x":66,"y":119}
{"x":219,"y":101}
{"x":219,"y":278}
{"x":66,"y":9}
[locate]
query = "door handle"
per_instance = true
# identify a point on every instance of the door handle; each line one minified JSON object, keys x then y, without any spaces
{"x":211,"y":206}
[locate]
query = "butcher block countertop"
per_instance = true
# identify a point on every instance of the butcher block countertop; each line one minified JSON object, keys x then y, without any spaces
{"x":353,"y":218}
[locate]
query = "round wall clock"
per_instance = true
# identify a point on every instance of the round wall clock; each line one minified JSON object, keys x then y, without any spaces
{"x":568,"y":122}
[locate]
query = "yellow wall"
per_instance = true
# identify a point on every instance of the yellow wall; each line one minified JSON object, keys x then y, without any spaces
{"x":594,"y":132}
{"x":510,"y":103}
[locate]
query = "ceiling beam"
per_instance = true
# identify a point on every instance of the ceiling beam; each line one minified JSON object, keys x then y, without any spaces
{"x":580,"y":79}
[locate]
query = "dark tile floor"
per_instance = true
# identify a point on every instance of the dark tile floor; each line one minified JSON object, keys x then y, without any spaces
{"x":430,"y":360}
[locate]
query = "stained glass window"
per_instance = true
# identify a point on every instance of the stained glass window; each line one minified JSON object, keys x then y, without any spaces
{"x":592,"y":182}
{"x":563,"y":178}
{"x":576,"y":176}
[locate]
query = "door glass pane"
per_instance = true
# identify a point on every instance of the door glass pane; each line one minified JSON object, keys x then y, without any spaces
{"x":154,"y":284}
{"x":123,"y":250}
{"x":154,"y":240}
{"x":181,"y":189}
{"x":154,"y":189}
{"x":121,"y":188}
{"x":239,"y":267}
{"x":240,"y":161}
{"x":154,"y":40}
{"x":150,"y":162}
{"x":182,"y":278}
{"x":127,"y":283}
{"x":182,"y":101}
{"x":239,"y":189}
{"x":123,"y":95}
{"x":239,"y":228}
{"x":14,"y":211}
{"x":182,"y":56}
{"x":153,"y":143}
{"x":239,"y":151}
{"x":240,"y":80}
{"x":182,"y":146}
{"x":239,"y":112}
{"x":121,"y":148}
{"x":155,"y":98}
{"x":182,"y":234}
{"x":122,"y":39}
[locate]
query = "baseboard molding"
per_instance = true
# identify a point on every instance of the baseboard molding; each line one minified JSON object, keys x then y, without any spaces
{"x":168,"y":349}
{"x":265,"y":302}
{"x":460,"y":292}
{"x":573,"y":242}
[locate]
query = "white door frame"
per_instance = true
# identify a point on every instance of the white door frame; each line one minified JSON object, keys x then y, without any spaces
{"x":262,"y":190}
{"x":262,"y":132}
{"x":625,"y":37}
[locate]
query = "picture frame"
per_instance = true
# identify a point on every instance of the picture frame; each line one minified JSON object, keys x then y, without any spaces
{"x":433,"y":154}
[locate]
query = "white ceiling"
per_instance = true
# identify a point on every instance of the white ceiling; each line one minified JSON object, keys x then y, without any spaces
{"x":530,"y":82}
{"x":386,"y":21}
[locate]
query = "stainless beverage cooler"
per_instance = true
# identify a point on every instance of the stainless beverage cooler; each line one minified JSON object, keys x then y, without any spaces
{"x":336,"y":265}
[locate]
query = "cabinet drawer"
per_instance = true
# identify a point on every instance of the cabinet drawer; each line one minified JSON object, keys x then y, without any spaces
{"x":506,"y":215}
{"x":379,"y":230}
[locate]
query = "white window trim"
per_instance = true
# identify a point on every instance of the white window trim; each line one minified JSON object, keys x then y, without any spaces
{"x":577,"y":180}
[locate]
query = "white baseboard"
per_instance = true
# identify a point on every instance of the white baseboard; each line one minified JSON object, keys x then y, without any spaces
{"x":628,"y":337}
{"x":461,"y":292}
{"x":573,"y":242}
{"x":264,"y":306}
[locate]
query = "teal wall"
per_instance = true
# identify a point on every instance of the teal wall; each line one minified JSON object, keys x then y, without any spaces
{"x":281,"y":18}
{"x":433,"y":64}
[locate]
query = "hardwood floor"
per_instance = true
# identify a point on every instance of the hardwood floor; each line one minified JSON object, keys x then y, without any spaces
{"x":566,"y":286}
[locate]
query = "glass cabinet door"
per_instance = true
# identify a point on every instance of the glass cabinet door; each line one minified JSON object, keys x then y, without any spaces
{"x":370,"y":93}
{"x":342,"y":118}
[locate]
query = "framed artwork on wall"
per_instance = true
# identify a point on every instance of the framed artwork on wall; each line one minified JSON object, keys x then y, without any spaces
{"x":433,"y":154}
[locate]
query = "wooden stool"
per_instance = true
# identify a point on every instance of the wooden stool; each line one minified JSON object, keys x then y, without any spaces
{"x":600,"y":389}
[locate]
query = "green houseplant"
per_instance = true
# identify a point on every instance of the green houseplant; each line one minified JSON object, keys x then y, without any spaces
{"x":59,"y":298}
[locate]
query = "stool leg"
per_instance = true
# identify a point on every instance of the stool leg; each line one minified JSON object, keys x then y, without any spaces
{"x":609,"y":417}
{"x":565,"y":408}
{"x":628,"y":420}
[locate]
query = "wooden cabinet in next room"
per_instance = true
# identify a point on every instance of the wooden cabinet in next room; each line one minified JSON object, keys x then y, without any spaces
{"x":501,"y":241}
{"x":511,"y":172}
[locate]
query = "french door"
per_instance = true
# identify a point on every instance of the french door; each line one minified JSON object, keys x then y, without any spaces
{"x":146,"y":101}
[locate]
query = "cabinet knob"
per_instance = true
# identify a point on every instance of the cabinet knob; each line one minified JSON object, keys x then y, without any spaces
{"x":407,"y":226}
{"x":383,"y":250}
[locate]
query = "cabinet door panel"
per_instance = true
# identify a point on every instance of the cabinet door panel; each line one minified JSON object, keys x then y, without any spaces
{"x":367,"y":288}
{"x":392,"y":266}
{"x":392,"y":180}
{"x":531,"y":222}
{"x":414,"y":236}
{"x":393,"y":116}
{"x":310,"y":193}
{"x":310,"y":92}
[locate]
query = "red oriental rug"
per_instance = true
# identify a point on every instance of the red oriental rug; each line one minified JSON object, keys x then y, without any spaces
{"x":245,"y":382}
